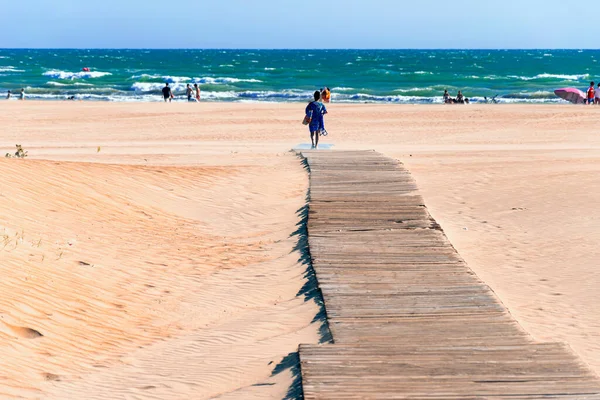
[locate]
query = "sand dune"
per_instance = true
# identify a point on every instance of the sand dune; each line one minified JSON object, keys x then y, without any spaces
{"x":150,"y":282}
{"x":146,"y":248}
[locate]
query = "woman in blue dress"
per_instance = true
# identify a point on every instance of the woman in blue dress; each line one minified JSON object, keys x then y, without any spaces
{"x":315,"y":110}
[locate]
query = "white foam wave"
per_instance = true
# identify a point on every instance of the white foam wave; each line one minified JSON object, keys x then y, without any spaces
{"x":163,"y":78}
{"x":416,"y":89}
{"x":270,"y":69}
{"x":183,"y":79}
{"x":370,"y":98}
{"x":156,"y":87}
{"x":212,"y":81}
{"x":551,"y":76}
{"x":343,"y":89}
{"x":52,"y":83}
{"x":75,"y":75}
{"x":9,"y":68}
{"x":293,"y":95}
{"x":566,"y":77}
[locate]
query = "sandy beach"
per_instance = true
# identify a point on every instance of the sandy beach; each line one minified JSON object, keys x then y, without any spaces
{"x":150,"y":250}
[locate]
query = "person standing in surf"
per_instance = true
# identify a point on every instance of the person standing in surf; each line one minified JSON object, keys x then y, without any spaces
{"x":315,"y":110}
{"x":167,"y":94}
{"x":598,"y":95}
{"x":326,"y":95}
{"x":189,"y":93}
{"x":197,"y":91}
{"x":591,"y":94}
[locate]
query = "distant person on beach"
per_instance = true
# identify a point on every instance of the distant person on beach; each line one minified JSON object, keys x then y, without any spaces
{"x":22,"y":96}
{"x":314,"y":112}
{"x":167,"y":94}
{"x":446,"y":97}
{"x":326,"y":95}
{"x":598,"y":95}
{"x":460,"y":98}
{"x":591,"y":94}
{"x":197,"y":91}
{"x":189,"y":93}
{"x":8,"y":95}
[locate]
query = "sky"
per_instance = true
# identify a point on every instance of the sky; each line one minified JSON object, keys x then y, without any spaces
{"x":287,"y":24}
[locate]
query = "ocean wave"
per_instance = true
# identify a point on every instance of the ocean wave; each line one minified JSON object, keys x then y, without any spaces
{"x":59,"y":84}
{"x":152,"y":94}
{"x":423,"y":89}
{"x":154,"y":87}
{"x":343,"y":89}
{"x":284,"y":95}
{"x":8,"y":68}
{"x":92,"y":97}
{"x":163,"y":78}
{"x":539,"y":94}
{"x":551,"y":76}
{"x":211,"y":81}
{"x":65,"y":75}
{"x":184,"y":79}
{"x":371,"y":98}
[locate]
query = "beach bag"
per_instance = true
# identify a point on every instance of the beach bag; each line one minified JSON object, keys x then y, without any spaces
{"x":307,"y":119}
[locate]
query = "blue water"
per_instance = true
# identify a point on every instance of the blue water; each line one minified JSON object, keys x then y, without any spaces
{"x":382,"y":76}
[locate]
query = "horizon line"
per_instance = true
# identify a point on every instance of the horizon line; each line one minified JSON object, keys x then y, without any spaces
{"x":304,"y":49}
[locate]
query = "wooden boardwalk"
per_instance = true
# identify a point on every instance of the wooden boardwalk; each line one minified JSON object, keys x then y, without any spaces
{"x":409,"y":319}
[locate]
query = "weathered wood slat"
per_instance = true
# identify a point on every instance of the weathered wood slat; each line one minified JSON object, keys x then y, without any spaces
{"x":409,"y":319}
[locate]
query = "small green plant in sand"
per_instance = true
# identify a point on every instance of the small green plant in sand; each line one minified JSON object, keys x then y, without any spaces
{"x":20,"y":153}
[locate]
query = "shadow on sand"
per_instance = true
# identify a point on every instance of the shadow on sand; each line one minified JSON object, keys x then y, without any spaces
{"x":291,"y":362}
{"x":311,"y":292}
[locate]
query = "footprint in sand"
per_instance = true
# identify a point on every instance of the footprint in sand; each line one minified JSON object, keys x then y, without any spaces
{"x":23,"y":332}
{"x":50,"y":377}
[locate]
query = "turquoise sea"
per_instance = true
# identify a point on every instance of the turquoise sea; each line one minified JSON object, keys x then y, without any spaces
{"x":355,"y":76}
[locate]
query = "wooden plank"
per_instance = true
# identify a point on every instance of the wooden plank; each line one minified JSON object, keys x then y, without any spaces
{"x":409,"y":319}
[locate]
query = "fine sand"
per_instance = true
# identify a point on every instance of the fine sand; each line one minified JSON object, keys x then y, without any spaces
{"x":152,"y":250}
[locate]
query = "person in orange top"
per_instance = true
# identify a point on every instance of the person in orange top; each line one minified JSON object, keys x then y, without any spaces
{"x":326,"y":95}
{"x":591,"y":94}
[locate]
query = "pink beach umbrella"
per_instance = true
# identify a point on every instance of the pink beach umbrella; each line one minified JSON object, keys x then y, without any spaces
{"x":573,"y":95}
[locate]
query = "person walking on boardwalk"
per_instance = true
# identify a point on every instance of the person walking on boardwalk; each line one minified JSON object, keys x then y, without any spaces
{"x":315,"y":110}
